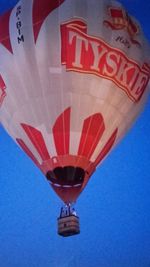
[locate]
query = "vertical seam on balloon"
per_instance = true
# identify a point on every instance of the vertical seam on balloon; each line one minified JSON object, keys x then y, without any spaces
{"x":62,"y":91}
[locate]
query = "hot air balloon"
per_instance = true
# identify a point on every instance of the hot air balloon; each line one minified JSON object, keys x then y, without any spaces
{"x":73,"y":78}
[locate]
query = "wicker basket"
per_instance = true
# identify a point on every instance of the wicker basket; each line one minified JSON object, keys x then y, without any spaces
{"x":68,"y":225}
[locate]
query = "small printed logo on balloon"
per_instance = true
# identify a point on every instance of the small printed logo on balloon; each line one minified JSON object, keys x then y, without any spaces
{"x":2,"y":90}
{"x":121,"y":20}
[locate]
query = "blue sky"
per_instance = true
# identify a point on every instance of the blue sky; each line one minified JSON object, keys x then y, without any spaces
{"x":114,"y":209}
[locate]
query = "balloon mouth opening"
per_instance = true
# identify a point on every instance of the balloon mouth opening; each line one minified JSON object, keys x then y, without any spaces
{"x":68,"y":176}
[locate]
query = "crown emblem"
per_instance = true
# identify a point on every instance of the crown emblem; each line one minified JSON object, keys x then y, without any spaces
{"x":120,"y":20}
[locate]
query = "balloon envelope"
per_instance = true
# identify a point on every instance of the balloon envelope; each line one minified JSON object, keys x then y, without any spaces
{"x":74,"y":76}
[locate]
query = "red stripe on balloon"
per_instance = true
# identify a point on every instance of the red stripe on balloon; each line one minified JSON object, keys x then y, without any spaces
{"x":106,"y":148}
{"x":4,"y":31}
{"x":37,"y":140}
{"x":41,"y":9}
{"x":27,"y":150}
{"x":2,"y":83}
{"x":61,"y":132}
{"x":2,"y":90}
{"x":93,"y":129}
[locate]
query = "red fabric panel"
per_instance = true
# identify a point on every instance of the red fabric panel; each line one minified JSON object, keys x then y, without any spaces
{"x":67,"y":195}
{"x":37,"y":140}
{"x":41,"y":9}
{"x":106,"y":148}
{"x":4,"y":30}
{"x":2,"y":90}
{"x":61,"y":132}
{"x":93,"y":129}
{"x":27,"y":150}
{"x":117,"y":13}
{"x":2,"y":83}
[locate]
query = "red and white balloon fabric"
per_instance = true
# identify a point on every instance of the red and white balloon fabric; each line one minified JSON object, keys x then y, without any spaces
{"x":73,"y":78}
